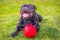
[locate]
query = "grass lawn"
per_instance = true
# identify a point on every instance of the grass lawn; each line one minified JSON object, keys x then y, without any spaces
{"x":10,"y":15}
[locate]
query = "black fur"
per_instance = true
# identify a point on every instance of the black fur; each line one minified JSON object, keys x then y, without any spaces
{"x":35,"y":19}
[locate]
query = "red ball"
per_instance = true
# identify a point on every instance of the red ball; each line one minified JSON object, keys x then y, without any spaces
{"x":30,"y":31}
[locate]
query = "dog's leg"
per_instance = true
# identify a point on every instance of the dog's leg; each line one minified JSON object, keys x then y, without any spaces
{"x":16,"y":32}
{"x":36,"y":26}
{"x":40,"y":17}
{"x":19,"y":28}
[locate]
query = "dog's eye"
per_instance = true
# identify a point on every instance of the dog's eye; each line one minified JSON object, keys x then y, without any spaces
{"x":28,"y":6}
{"x":24,"y":5}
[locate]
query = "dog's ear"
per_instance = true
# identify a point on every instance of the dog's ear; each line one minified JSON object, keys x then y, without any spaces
{"x":23,"y":6}
{"x":34,"y":7}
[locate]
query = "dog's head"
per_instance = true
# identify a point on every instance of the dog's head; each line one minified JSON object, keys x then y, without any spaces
{"x":27,"y":10}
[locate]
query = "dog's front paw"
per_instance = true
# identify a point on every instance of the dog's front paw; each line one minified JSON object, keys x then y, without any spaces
{"x":14,"y":34}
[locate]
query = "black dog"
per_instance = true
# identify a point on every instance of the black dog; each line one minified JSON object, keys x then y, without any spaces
{"x":28,"y":15}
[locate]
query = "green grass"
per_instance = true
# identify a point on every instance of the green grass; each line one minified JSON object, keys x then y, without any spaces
{"x":49,"y":27}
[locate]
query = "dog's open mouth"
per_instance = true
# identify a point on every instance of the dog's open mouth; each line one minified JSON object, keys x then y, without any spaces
{"x":25,"y":14}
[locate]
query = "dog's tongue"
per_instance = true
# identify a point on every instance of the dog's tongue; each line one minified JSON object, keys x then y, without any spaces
{"x":25,"y":15}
